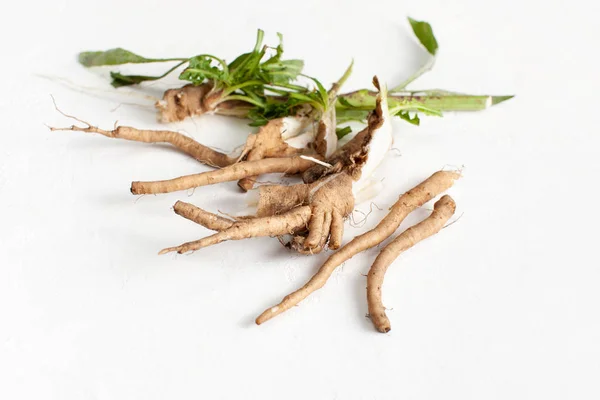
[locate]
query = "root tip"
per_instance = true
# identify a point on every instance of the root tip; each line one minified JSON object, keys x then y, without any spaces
{"x":133,"y":189}
{"x":384,"y":328}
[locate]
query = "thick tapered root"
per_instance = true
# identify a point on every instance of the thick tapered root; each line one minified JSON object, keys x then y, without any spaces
{"x":278,"y":225}
{"x":202,"y":153}
{"x":444,"y":208}
{"x":291,"y":165}
{"x":196,"y":214}
{"x":409,"y":201}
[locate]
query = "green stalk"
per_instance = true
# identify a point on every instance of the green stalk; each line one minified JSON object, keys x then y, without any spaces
{"x":442,"y":101}
{"x":243,"y":98}
{"x":232,"y":89}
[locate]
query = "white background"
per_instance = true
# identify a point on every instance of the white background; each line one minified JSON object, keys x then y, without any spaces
{"x":503,"y":304}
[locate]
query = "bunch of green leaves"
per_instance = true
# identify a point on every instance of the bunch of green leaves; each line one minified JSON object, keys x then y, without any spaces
{"x":267,"y":82}
{"x":262,"y":79}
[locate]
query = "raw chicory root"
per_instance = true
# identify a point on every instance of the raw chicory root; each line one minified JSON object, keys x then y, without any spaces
{"x":443,"y":209}
{"x":196,"y":214}
{"x":329,"y":196}
{"x":202,"y":153}
{"x":411,"y":200}
{"x":268,"y":142}
{"x":314,"y":212}
{"x":244,"y":169}
{"x":276,"y":225}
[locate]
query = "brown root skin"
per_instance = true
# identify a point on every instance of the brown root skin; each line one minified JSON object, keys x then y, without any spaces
{"x":267,"y":143}
{"x":244,"y":169}
{"x":202,"y":153}
{"x":307,"y":212}
{"x":411,"y":200}
{"x":331,"y":201}
{"x":196,"y":214}
{"x":279,"y":199}
{"x":443,"y":209}
{"x":277,"y":225}
{"x":189,"y":100}
{"x":351,"y":157}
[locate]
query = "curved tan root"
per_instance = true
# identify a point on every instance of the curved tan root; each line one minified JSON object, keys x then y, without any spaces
{"x":414,"y":198}
{"x":444,"y":208}
{"x":196,"y":214}
{"x":277,"y":225}
{"x":204,"y":154}
{"x":289,"y":165}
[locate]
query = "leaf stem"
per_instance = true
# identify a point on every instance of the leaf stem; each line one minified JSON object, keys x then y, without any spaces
{"x":244,"y":98}
{"x":242,"y":85}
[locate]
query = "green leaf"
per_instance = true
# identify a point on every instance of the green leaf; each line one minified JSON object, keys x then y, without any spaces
{"x":500,"y":99}
{"x":341,"y":132}
{"x":201,"y":68}
{"x":119,"y":79}
{"x":322,"y":92}
{"x":116,"y":56}
{"x":277,"y":71}
{"x":424,"y":33}
{"x":406,"y":116}
{"x":281,"y":72}
{"x":245,"y":67}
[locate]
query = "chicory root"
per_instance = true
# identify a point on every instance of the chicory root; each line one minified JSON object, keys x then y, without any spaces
{"x":411,"y":200}
{"x":276,"y":225}
{"x":202,"y":153}
{"x":330,"y":198}
{"x":310,"y":209}
{"x":244,"y":169}
{"x":442,"y":211}
{"x":196,"y":214}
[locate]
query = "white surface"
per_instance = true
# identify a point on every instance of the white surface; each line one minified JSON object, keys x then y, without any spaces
{"x":503,"y":304}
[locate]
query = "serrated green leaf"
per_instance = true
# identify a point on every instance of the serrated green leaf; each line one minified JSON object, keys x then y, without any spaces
{"x":406,"y":116}
{"x":424,"y":33}
{"x":281,"y":72}
{"x":116,"y":56}
{"x":201,"y":68}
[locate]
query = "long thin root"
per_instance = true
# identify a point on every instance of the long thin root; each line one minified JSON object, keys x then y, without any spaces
{"x":290,"y":165}
{"x":202,"y":153}
{"x":443,"y":209}
{"x":411,"y":200}
{"x":277,"y":225}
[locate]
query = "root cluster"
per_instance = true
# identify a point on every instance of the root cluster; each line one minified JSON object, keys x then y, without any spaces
{"x":310,"y":214}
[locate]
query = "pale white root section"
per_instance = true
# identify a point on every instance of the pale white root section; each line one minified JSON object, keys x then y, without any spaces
{"x":379,"y":145}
